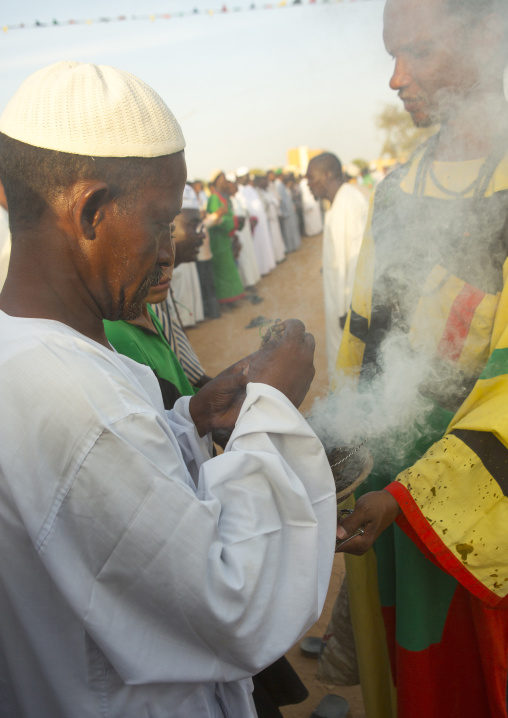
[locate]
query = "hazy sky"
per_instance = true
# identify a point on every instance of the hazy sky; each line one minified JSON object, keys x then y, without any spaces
{"x":245,"y":86}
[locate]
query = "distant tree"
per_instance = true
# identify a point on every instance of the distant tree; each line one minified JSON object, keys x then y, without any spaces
{"x":401,"y":137}
{"x":360,"y":163}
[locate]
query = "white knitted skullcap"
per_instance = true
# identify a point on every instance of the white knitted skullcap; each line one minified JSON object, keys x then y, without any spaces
{"x":190,"y":198}
{"x":93,"y":110}
{"x":242,"y":171}
{"x":230,"y":176}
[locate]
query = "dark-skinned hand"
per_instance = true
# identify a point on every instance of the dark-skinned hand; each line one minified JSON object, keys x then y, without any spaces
{"x":286,"y":364}
{"x":373,"y":512}
{"x":217,"y":404}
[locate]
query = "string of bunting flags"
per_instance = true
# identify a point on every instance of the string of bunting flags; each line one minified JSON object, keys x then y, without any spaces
{"x":183,"y":13}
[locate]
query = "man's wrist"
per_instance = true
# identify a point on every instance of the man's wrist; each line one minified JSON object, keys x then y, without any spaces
{"x":200,"y":421}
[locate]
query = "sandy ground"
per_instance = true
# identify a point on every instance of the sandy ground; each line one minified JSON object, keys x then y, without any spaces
{"x":293,"y":289}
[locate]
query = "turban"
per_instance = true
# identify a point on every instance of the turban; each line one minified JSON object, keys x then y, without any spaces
{"x":92,"y":110}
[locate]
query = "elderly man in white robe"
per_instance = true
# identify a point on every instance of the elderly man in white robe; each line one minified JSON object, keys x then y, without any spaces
{"x":342,"y":238}
{"x":139,"y":576}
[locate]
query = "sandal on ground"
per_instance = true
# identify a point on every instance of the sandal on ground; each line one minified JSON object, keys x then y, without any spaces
{"x":331,"y":707}
{"x":311,"y":647}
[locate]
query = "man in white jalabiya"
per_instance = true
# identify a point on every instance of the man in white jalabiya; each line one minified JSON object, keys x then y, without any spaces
{"x":271,"y":205}
{"x":204,"y":263}
{"x":287,"y":213}
{"x":265,"y":256}
{"x":139,"y":576}
{"x":185,"y":283}
{"x":312,"y":215}
{"x":246,"y":260}
{"x":342,"y":238}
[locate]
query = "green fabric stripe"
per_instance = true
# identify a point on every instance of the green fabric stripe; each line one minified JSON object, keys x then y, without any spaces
{"x":421,"y":591}
{"x":496,"y":365}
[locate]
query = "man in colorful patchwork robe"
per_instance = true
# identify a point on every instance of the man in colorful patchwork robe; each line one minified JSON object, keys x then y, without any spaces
{"x":433,"y":272}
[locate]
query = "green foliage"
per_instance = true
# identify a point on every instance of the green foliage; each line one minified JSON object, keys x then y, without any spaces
{"x":401,"y":137}
{"x":360,"y":163}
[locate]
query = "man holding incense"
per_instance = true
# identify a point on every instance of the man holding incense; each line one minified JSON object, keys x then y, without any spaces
{"x":138,"y":575}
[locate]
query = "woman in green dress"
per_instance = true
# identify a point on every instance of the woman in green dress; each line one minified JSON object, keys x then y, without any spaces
{"x":228,"y":285}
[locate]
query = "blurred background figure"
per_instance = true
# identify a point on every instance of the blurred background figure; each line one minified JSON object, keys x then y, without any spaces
{"x":246,"y":260}
{"x":342,"y":238}
{"x":263,"y":250}
{"x":188,"y":234}
{"x":5,"y":237}
{"x":204,"y":263}
{"x":312,"y":213}
{"x":185,"y":285}
{"x":271,"y":206}
{"x":287,"y":213}
{"x":224,"y":242}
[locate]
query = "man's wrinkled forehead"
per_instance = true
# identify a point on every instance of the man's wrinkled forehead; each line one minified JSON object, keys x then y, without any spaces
{"x":407,"y":23}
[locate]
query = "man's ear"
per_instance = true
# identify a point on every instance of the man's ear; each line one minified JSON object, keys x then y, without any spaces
{"x":88,"y":208}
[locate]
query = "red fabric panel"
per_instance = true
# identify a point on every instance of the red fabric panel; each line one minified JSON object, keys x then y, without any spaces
{"x":459,"y":322}
{"x":465,"y":675}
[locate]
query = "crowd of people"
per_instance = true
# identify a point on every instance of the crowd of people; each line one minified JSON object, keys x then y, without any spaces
{"x":250,"y":220}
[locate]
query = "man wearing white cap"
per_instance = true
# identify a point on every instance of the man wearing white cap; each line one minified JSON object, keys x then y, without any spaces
{"x":138,"y":575}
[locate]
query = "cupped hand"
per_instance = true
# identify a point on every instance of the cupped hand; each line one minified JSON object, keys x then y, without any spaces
{"x":373,"y":513}
{"x":286,"y":363}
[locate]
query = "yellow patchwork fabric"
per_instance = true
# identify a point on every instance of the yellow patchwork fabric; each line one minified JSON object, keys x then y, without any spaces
{"x":465,"y":507}
{"x":455,"y":487}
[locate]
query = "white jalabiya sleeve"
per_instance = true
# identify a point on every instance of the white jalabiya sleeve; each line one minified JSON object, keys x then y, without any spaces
{"x":178,"y":585}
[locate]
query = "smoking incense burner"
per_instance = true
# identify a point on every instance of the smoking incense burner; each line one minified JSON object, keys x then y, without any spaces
{"x":350,"y":467}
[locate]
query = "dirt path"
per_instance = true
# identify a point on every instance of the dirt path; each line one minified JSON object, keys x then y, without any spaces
{"x":293,"y":289}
